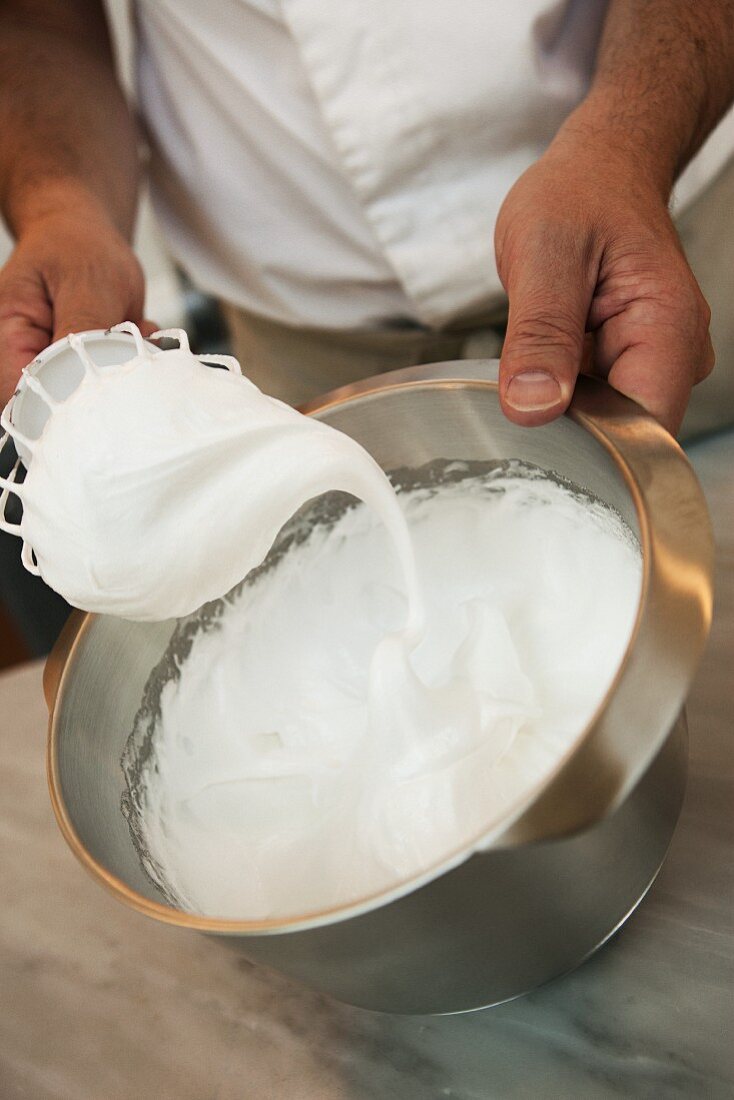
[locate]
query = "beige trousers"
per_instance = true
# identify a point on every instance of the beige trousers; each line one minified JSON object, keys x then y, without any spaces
{"x":299,"y":364}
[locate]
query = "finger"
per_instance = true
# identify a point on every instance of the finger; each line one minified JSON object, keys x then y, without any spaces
{"x":21,"y":342}
{"x":148,"y":327}
{"x":707,"y":361}
{"x":78,"y":308}
{"x":25,"y":328}
{"x":97,"y":297}
{"x":550,"y":287}
{"x":654,"y":353}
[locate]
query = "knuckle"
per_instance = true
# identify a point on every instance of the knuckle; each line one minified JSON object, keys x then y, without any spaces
{"x":546,"y":330}
{"x":675,"y":299}
{"x":20,"y":296}
{"x":706,"y":363}
{"x":16,"y":279}
{"x":697,"y":312}
{"x":81,"y":321}
{"x":80,"y":317}
{"x":704,"y":311}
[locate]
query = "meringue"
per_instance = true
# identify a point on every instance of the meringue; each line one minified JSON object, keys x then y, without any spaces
{"x":308,"y":755}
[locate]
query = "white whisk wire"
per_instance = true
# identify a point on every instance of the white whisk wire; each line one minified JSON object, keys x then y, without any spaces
{"x":173,"y":334}
{"x":7,"y":424}
{"x":76,"y":341}
{"x":227,"y":361}
{"x":33,"y":384}
{"x":9,"y":485}
{"x":132,"y":330}
{"x":27,"y":556}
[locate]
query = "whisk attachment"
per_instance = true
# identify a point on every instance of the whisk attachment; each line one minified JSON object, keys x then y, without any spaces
{"x":173,"y":334}
{"x":76,"y":340}
{"x":9,"y":430}
{"x":228,"y":361}
{"x":9,"y":485}
{"x":79,"y":359}
{"x":28,"y":558}
{"x":12,"y":430}
{"x":132,"y":330}
{"x":40,"y":390}
{"x":181,"y":336}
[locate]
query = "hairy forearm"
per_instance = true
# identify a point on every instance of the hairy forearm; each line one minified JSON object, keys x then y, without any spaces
{"x":68,"y":139}
{"x":664,"y":77}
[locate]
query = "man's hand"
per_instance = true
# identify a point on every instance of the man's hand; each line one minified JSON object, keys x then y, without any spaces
{"x":68,"y":180}
{"x":69,"y":271}
{"x":596,"y":281}
{"x":584,"y":241}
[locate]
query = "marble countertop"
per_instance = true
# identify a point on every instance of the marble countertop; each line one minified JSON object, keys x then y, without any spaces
{"x":99,"y":1003}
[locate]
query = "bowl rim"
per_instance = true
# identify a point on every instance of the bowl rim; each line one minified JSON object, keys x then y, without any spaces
{"x":623,"y":430}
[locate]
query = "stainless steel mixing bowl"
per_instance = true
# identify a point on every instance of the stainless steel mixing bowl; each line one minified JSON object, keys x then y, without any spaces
{"x":568,"y":871}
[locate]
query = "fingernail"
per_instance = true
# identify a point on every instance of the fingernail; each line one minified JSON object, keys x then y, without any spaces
{"x":533,"y":391}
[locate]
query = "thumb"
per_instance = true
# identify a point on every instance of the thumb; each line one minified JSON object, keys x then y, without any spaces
{"x":550,"y":288}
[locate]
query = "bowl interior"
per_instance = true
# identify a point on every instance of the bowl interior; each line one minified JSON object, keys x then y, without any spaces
{"x":105,"y":680}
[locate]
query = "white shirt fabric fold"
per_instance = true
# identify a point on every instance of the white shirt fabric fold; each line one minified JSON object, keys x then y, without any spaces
{"x":340,"y":164}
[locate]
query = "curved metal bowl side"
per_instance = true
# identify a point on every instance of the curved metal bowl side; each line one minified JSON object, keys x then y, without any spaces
{"x":479,"y":930}
{"x":501,"y":924}
{"x":674,"y":618}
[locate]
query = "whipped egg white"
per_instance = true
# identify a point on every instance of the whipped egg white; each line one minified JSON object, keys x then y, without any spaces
{"x":310,"y":754}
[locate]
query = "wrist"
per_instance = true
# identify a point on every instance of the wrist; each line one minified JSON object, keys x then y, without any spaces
{"x":601,"y":134}
{"x":58,"y":199}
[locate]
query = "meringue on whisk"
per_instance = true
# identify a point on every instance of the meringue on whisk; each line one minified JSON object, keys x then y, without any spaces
{"x":159,"y":482}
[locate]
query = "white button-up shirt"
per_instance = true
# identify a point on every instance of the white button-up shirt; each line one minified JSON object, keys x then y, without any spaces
{"x":341,"y":163}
